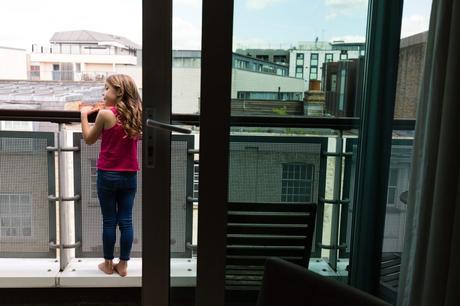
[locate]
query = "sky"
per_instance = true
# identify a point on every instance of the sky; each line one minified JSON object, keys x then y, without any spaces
{"x":257,"y":23}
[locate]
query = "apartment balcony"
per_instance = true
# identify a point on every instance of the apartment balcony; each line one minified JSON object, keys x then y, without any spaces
{"x":52,"y":238}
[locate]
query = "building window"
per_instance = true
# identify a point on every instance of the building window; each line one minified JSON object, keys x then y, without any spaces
{"x":269,"y":95}
{"x":300,"y":58}
{"x":78,"y":67}
{"x":313,"y":73}
{"x":299,"y":72}
{"x":262,"y":57}
{"x":342,"y":89}
{"x":343,"y":55}
{"x":16,"y":125}
{"x":297,"y":182}
{"x":65,"y":48}
{"x":314,"y":59}
{"x":334,"y":82}
{"x":35,"y":72}
{"x":393,"y":187}
{"x":240,"y":64}
{"x":280,"y":59}
{"x":329,"y":57}
{"x":15,"y":215}
{"x":268,"y":69}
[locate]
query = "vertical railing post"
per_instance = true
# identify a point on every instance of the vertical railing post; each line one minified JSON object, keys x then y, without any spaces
{"x":335,"y":217}
{"x":65,"y":189}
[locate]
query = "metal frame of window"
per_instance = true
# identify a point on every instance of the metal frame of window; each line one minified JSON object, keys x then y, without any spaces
{"x":375,"y":128}
{"x":156,"y":156}
{"x":380,"y":76}
{"x":217,"y":37}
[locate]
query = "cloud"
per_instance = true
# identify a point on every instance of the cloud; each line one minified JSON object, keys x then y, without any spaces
{"x":192,"y":3}
{"x":345,"y":4}
{"x":349,"y":38}
{"x":332,"y":16}
{"x":186,"y":35}
{"x":414,"y":24}
{"x":36,"y":21}
{"x":261,"y":4}
{"x":343,"y":7}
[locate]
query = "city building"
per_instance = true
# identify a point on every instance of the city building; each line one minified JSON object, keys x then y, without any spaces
{"x":81,"y":56}
{"x":277,"y":56}
{"x":306,"y":61}
{"x":343,"y":87}
{"x":342,"y":81}
{"x":252,"y":80}
{"x":410,"y":71}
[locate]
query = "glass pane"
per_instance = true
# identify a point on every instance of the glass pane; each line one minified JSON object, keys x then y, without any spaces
{"x":63,"y":62}
{"x":414,"y":32}
{"x":293,"y":162}
{"x":186,"y":86}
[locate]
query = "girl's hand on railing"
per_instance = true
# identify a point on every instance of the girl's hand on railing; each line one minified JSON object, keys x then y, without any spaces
{"x":87,"y":110}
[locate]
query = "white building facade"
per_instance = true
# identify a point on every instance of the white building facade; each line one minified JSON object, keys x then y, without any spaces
{"x":13,"y":64}
{"x":306,"y":61}
{"x":81,"y":56}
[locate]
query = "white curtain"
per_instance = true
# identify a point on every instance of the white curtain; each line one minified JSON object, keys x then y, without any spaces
{"x":430,"y":269}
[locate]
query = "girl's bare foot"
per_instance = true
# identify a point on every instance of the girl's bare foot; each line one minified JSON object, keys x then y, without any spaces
{"x":106,"y":266}
{"x":121,"y":267}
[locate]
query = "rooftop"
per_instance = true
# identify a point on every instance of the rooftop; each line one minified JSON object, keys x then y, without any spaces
{"x":13,"y":92}
{"x":85,"y":36}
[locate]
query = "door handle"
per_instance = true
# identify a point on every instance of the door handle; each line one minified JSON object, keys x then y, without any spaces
{"x":165,"y":126}
{"x":150,"y":136}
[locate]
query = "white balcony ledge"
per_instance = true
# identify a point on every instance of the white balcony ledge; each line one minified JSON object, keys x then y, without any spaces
{"x":83,"y":272}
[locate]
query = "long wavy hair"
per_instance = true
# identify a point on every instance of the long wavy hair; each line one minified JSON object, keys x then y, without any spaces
{"x":128,"y":104}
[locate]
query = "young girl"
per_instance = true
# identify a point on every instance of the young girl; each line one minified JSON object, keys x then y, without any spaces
{"x":119,"y":125}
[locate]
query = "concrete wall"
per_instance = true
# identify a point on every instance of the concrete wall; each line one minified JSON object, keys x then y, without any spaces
{"x":133,"y":71}
{"x":13,"y":64}
{"x":90,"y":67}
{"x":410,"y":70}
{"x":256,"y":169}
{"x":186,"y":90}
{"x":243,"y":80}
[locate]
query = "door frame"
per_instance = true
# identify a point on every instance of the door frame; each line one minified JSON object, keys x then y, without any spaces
{"x":216,"y":60}
{"x":156,"y":151}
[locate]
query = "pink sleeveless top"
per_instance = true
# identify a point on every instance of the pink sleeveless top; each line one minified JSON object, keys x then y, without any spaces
{"x":117,"y":153}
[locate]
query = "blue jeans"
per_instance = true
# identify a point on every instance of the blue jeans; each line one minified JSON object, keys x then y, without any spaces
{"x":116,"y":191}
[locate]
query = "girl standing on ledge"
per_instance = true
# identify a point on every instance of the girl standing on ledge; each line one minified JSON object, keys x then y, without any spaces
{"x":119,"y":125}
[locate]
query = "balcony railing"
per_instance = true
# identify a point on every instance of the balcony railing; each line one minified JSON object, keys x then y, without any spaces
{"x":49,"y":207}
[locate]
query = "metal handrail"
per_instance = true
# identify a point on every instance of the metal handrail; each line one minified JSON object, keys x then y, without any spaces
{"x":336,"y":123}
{"x":165,"y":126}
